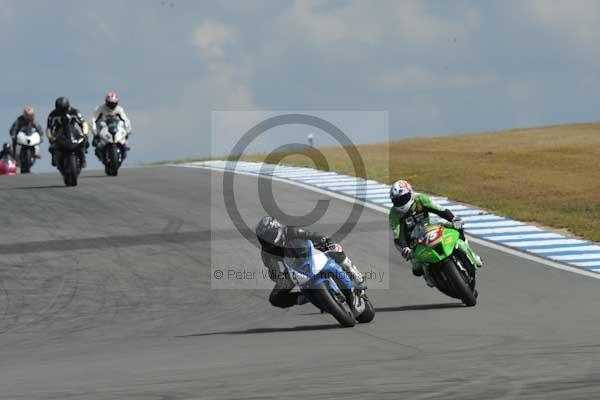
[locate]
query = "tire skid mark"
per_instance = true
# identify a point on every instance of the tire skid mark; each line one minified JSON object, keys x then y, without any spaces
{"x":55,"y":307}
{"x":7,"y":300}
{"x":24,"y":282}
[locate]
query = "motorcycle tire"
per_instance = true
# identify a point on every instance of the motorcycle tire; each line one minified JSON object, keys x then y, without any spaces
{"x":331,"y":305}
{"x":369,"y":313}
{"x":25,"y":160}
{"x":71,"y":170}
{"x":460,"y":287}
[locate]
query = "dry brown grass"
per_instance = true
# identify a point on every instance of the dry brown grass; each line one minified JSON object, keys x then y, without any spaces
{"x":546,"y":175}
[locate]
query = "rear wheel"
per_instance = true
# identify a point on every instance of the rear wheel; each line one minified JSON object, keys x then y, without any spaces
{"x":338,"y":308}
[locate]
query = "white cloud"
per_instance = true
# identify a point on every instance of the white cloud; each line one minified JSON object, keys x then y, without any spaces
{"x":221,"y":86}
{"x":211,"y":38}
{"x":373,"y":22}
{"x":225,"y":80}
{"x":577,"y":21}
{"x":225,"y":86}
{"x":414,"y":77}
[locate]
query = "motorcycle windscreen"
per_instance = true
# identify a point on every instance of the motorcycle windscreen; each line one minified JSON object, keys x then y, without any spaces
{"x":113,"y":125}
{"x":297,"y":255}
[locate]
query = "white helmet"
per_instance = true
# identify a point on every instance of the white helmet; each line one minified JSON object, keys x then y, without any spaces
{"x":402,"y":196}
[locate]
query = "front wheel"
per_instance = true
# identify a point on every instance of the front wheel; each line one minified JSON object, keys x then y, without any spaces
{"x":368,"y":314}
{"x":110,"y":171}
{"x":25,"y":160}
{"x":112,"y":162}
{"x":460,"y":287}
{"x":71,"y":170}
{"x":334,"y":306}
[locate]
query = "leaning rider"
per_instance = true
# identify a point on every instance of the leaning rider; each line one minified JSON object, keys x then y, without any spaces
{"x":409,"y":217}
{"x":273,"y":237}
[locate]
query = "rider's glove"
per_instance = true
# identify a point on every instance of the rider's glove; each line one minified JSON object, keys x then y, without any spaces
{"x":406,"y":253}
{"x":457,"y":223}
{"x":330,"y":244}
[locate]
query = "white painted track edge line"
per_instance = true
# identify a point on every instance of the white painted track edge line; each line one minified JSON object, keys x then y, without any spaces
{"x":384,"y":210}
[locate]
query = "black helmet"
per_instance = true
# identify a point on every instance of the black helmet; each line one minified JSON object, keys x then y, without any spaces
{"x":6,"y":147}
{"x":62,"y":104}
{"x":270,"y":231}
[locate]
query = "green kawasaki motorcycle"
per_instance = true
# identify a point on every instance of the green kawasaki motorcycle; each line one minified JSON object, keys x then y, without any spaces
{"x":448,"y":262}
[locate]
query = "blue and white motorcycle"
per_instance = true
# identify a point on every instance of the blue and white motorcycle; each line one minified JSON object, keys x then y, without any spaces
{"x":325,"y":284}
{"x":112,"y":146}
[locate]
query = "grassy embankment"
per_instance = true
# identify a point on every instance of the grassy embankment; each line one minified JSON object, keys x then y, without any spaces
{"x":546,"y":175}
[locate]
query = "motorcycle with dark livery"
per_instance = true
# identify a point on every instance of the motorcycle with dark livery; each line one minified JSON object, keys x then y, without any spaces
{"x":67,"y":149}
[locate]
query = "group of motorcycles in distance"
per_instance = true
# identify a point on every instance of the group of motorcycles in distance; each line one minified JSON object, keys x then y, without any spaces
{"x":111,"y":149}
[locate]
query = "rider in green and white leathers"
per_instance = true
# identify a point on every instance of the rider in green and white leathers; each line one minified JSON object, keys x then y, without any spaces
{"x":410,"y":216}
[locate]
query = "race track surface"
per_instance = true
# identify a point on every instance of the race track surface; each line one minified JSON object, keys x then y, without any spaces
{"x":105,"y":293}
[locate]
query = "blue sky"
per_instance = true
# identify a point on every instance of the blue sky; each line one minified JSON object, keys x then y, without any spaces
{"x":437,"y":67}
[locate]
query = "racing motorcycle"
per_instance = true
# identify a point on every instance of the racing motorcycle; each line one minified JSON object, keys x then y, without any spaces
{"x":67,"y":151}
{"x":112,"y":146}
{"x":8,"y":166}
{"x":325,"y":284}
{"x":28,"y":148}
{"x":449,"y":264}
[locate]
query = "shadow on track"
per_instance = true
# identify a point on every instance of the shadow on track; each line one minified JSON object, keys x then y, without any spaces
{"x":94,"y":176}
{"x":416,"y":307}
{"x":36,"y":187}
{"x":419,"y":307}
{"x":266,"y":330}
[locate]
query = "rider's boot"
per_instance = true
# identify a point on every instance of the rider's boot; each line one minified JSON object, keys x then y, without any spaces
{"x":468,"y":250}
{"x":98,"y":154}
{"x":18,"y":155}
{"x":417,"y":269}
{"x":51,"y":151}
{"x":82,"y":158}
{"x":301,"y":299}
{"x":355,"y":275}
{"x":428,"y":280}
{"x":478,"y":260}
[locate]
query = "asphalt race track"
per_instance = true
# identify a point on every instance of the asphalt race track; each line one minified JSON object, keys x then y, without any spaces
{"x":106,"y":294}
